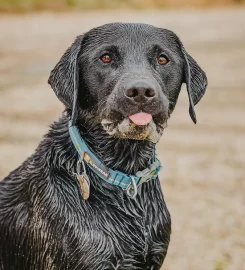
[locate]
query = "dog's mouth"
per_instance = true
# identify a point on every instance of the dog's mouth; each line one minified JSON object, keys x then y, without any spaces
{"x":139,"y":126}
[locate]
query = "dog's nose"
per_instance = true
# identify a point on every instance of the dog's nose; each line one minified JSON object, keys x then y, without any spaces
{"x":140,"y":92}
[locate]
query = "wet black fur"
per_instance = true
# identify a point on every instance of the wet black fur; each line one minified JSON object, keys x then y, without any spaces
{"x":44,"y":222}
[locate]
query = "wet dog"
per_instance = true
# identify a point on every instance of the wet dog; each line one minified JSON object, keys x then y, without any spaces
{"x":119,"y":84}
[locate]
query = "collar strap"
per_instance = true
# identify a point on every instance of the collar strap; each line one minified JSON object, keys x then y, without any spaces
{"x":125,"y":181}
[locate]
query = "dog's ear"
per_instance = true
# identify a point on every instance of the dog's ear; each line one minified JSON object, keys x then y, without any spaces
{"x":65,"y":74}
{"x":196,"y":82}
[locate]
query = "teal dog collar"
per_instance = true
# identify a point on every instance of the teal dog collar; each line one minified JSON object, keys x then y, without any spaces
{"x":127,"y":182}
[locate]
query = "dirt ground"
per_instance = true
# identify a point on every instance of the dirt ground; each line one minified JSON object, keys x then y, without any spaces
{"x":203,"y":176}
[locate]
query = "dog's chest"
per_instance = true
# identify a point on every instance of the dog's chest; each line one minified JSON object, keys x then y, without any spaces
{"x":103,"y":232}
{"x":119,"y":236}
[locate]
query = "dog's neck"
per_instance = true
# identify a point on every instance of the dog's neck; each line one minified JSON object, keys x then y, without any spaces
{"x":128,"y":156}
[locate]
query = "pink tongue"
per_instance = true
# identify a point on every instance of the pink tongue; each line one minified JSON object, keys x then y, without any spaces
{"x":141,"y":119}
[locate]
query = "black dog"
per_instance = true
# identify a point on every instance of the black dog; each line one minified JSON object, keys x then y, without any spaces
{"x":119,"y":84}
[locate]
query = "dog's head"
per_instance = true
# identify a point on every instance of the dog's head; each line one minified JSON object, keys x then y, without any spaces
{"x":128,"y":78}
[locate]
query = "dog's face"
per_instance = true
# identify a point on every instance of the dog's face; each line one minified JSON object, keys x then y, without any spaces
{"x":130,"y":76}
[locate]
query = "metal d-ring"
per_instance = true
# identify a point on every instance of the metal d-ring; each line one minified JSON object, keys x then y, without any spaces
{"x":79,"y":162}
{"x":134,"y":187}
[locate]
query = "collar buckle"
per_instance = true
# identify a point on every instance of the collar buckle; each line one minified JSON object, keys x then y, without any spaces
{"x":144,"y":176}
{"x":149,"y":173}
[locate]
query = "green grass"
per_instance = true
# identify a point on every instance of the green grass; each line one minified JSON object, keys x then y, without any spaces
{"x":60,"y":5}
{"x":28,"y":5}
{"x":220,"y":265}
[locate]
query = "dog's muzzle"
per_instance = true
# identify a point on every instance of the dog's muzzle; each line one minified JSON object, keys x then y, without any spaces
{"x":136,"y":109}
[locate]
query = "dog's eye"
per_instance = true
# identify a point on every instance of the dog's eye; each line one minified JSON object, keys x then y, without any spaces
{"x":162,"y":59}
{"x":106,"y":58}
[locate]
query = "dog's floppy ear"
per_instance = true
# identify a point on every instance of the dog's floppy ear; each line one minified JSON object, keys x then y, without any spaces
{"x":196,"y":82}
{"x":64,"y":77}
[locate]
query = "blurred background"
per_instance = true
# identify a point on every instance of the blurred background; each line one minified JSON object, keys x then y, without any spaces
{"x":203,"y":175}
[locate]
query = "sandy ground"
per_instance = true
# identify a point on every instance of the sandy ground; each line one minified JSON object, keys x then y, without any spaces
{"x":203,"y":178}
